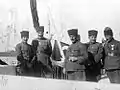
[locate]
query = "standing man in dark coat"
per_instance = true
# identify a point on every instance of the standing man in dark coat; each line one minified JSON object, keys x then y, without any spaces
{"x":112,"y":56}
{"x":43,"y":50}
{"x":24,"y":55}
{"x":76,"y":57}
{"x":95,"y":51}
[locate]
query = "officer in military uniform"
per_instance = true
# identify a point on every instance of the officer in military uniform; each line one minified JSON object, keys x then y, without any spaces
{"x":24,"y":55}
{"x":95,"y":53}
{"x":112,"y":56}
{"x":76,"y":57}
{"x":43,"y":50}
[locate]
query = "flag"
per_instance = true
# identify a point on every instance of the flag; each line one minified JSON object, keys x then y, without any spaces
{"x":35,"y":18}
{"x":59,"y":52}
{"x":56,"y":55}
{"x":57,"y":58}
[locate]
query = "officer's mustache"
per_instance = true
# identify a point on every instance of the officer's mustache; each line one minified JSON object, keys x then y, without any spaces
{"x":94,"y":40}
{"x":72,"y":39}
{"x":26,"y":40}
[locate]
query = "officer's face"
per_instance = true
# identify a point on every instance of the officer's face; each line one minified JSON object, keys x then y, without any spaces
{"x":108,"y":37}
{"x":25,"y":39}
{"x":73,"y":38}
{"x":92,"y":38}
{"x":40,"y":34}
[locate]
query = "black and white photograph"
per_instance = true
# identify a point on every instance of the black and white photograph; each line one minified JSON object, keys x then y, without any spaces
{"x":59,"y":44}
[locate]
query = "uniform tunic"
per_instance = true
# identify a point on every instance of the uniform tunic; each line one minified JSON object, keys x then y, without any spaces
{"x":93,"y":69}
{"x":75,"y":69}
{"x":24,"y":57}
{"x":43,"y":51}
{"x":112,"y":60}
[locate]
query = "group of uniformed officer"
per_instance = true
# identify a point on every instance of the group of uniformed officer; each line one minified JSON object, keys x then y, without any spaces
{"x":83,"y":61}
{"x":34,"y":59}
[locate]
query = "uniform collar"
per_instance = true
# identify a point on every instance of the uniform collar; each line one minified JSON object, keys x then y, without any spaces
{"x":92,"y":43}
{"x":75,"y":42}
{"x":24,"y":43}
{"x":40,"y":37}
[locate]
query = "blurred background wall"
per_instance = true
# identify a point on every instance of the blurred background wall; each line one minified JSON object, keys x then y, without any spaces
{"x":57,"y":16}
